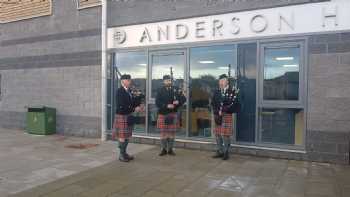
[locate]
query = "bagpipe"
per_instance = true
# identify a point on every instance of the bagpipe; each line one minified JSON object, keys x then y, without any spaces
{"x":229,"y":102}
{"x":177,"y":91}
{"x":178,"y":94}
{"x":233,"y":98}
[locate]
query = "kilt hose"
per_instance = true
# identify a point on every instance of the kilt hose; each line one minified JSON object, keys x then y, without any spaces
{"x":226,"y":127}
{"x":121,"y":128}
{"x":167,"y":130}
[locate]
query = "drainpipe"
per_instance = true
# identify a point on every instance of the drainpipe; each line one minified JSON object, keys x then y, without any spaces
{"x":104,"y":72}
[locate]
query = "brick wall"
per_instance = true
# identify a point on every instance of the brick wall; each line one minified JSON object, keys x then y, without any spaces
{"x":328,"y":123}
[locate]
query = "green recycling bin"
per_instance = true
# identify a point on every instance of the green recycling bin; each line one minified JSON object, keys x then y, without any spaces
{"x":41,"y":120}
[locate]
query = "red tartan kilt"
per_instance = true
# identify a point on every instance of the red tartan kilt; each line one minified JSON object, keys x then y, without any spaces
{"x":167,"y":130}
{"x":121,"y":128}
{"x":226,"y":128}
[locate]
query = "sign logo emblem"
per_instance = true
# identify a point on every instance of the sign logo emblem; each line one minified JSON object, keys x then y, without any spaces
{"x":119,"y":36}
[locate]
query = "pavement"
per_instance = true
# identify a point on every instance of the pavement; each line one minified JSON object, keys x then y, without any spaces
{"x":188,"y":174}
{"x":27,"y":161}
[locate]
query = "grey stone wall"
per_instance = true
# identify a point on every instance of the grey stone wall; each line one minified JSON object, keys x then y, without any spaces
{"x":126,"y":12}
{"x":73,"y":91}
{"x":54,"y":61}
{"x":328,"y":123}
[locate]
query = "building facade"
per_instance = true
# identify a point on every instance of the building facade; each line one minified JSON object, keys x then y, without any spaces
{"x":50,"y":55}
{"x":291,"y":60}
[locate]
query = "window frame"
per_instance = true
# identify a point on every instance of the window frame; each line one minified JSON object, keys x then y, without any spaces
{"x":282,"y":103}
{"x":276,"y":144}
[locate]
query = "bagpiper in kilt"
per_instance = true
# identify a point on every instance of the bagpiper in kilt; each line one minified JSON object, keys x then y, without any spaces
{"x":168,"y":101}
{"x":126,"y":103}
{"x":223,"y":107}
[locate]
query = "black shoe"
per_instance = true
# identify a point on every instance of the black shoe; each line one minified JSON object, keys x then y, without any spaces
{"x":130,"y":157}
{"x":163,"y":152}
{"x":225,"y":157}
{"x":218,"y":155}
{"x":171,"y":152}
{"x":123,"y":159}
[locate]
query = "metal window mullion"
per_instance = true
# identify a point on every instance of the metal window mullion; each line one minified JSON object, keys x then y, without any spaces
{"x":147,"y":92}
{"x":305,"y":90}
{"x":112,"y":89}
{"x":235,"y":60}
{"x":148,"y":89}
{"x":282,"y":103}
{"x":259,"y":82}
{"x":301,"y":74}
{"x":187,"y":85}
{"x":168,"y":52}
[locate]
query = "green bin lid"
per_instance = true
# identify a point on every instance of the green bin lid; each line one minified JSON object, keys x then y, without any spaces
{"x":37,"y":108}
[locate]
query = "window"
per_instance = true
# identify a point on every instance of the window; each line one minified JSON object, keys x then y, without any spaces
{"x":281,"y":106}
{"x":281,"y":73}
{"x":163,"y":64}
{"x":88,"y":3}
{"x":282,"y":126}
{"x":206,"y":64}
{"x":15,"y":10}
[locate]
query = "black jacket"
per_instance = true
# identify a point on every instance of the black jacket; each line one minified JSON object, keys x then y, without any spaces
{"x":126,"y":102}
{"x":229,"y":105}
{"x":166,"y":96}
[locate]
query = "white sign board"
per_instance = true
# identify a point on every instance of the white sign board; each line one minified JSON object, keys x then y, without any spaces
{"x":290,"y":20}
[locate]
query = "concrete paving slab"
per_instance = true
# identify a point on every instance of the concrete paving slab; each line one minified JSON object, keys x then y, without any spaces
{"x":189,"y":173}
{"x":27,"y":161}
{"x":195,"y":173}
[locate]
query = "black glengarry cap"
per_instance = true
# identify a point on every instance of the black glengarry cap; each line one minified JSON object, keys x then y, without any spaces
{"x":223,"y":76}
{"x":125,"y":76}
{"x":165,"y":77}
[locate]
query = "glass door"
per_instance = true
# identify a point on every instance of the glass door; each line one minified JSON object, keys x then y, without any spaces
{"x":160,"y":64}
